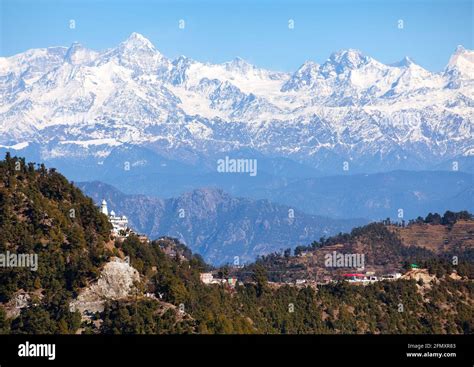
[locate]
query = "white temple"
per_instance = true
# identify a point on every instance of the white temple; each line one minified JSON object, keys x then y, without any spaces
{"x":103,"y":208}
{"x":119,"y":223}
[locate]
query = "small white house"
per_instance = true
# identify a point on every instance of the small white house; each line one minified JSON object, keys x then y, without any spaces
{"x":207,"y":278}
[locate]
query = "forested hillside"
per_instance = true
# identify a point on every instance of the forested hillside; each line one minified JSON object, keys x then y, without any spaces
{"x":44,"y":214}
{"x":404,"y":306}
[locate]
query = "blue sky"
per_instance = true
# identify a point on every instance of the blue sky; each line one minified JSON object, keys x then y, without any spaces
{"x":257,"y":31}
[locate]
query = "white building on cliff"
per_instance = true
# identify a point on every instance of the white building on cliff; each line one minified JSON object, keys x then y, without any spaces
{"x":119,"y":223}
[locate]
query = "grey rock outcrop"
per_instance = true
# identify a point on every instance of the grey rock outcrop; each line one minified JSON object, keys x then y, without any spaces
{"x":117,"y":281}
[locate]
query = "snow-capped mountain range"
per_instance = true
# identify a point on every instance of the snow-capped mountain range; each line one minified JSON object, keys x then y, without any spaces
{"x":79,"y":102}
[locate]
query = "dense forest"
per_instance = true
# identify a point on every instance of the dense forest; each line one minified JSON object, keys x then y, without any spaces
{"x":41,"y":212}
{"x":256,"y":307}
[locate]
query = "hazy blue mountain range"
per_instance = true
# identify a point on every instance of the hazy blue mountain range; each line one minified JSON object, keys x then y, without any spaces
{"x":375,"y":196}
{"x":220,"y":226}
{"x":217,"y":225}
{"x":379,"y":195}
{"x":281,"y":180}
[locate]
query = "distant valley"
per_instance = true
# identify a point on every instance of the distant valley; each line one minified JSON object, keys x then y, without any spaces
{"x":217,"y":225}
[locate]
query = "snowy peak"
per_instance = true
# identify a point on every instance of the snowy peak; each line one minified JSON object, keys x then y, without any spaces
{"x":403,"y":63}
{"x":239,"y":65}
{"x":138,"y":37}
{"x":351,"y":57}
{"x":462,"y":60}
{"x":182,"y":62}
{"x":411,"y":79}
{"x":178,"y":72}
{"x":78,"y":54}
{"x":344,"y":60}
{"x":344,"y":75}
{"x":138,"y":54}
{"x":460,"y":68}
{"x":137,"y":46}
{"x":35,"y":60}
{"x":137,"y":41}
{"x":305,"y":76}
{"x":239,"y":68}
